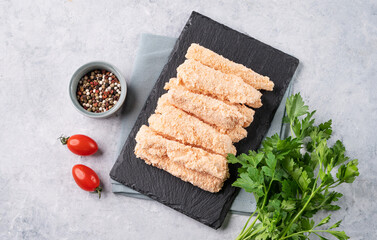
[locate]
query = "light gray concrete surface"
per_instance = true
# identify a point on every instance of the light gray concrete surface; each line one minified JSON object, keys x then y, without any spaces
{"x":43,"y":42}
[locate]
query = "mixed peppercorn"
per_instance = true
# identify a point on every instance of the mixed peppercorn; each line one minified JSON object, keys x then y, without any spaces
{"x":98,"y":91}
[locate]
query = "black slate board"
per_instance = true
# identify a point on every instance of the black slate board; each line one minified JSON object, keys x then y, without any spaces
{"x":159,"y":185}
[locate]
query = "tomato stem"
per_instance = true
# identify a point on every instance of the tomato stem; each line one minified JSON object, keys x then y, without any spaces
{"x":63,"y":139}
{"x":99,"y":190}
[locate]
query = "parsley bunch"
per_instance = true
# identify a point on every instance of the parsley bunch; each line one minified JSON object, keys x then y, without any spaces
{"x":293,"y":178}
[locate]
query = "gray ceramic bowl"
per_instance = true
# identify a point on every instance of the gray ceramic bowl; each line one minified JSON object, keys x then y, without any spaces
{"x":84,"y":70}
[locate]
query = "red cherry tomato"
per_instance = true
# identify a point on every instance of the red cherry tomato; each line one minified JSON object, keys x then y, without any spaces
{"x":80,"y":144}
{"x":86,"y":179}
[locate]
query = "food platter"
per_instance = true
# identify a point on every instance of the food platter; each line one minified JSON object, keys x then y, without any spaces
{"x":208,"y":208}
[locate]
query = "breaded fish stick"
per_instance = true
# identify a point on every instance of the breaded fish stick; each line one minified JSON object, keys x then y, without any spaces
{"x":218,"y":62}
{"x":206,"y":80}
{"x":202,"y":180}
{"x":153,"y":150}
{"x":189,"y":157}
{"x":236,"y":133}
{"x":172,"y":122}
{"x":171,"y":156}
{"x":210,"y":110}
{"x":248,"y":113}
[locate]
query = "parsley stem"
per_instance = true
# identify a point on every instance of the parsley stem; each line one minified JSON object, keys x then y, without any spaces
{"x":338,"y":183}
{"x":248,"y":220}
{"x":263,"y":204}
{"x":291,"y":128}
{"x":254,"y":233}
{"x":302,"y":210}
{"x":297,"y":233}
{"x":309,"y":231}
{"x":303,"y":195}
{"x":307,"y":202}
{"x":242,"y":235}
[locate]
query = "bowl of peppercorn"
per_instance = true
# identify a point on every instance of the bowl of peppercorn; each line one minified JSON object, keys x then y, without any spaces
{"x":97,"y":89}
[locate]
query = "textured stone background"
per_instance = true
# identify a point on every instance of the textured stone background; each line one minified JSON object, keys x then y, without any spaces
{"x":43,"y":42}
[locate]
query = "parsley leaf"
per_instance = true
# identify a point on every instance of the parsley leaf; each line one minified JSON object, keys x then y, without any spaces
{"x":296,"y":107}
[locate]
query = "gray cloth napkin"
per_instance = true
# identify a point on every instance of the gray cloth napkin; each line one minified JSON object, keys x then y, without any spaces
{"x":152,"y":55}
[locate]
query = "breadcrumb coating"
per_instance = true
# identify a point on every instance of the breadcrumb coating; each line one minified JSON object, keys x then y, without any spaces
{"x":174,"y":123}
{"x":218,"y":62}
{"x":248,"y":113}
{"x":210,"y":110}
{"x":190,"y":157}
{"x":206,"y":80}
{"x":236,"y":134}
{"x":210,"y":113}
